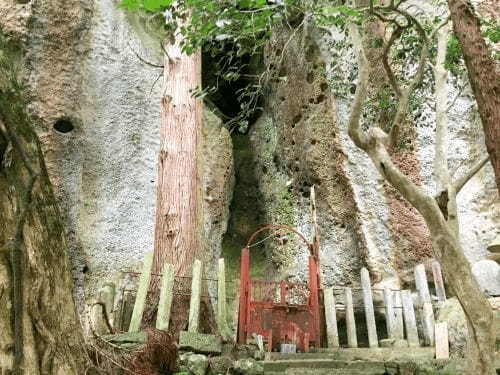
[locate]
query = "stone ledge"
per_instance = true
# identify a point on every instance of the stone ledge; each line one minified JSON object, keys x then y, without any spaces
{"x":200,"y":343}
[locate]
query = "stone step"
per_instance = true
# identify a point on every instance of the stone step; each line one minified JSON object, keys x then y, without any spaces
{"x":302,"y":371}
{"x":357,"y":354}
{"x":314,"y":365}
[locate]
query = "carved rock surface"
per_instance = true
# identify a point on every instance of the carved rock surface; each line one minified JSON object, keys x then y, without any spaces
{"x":487,"y":274}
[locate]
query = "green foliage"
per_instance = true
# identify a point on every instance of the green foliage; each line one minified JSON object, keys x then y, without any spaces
{"x":453,"y":60}
{"x":338,"y":15}
{"x":151,"y":5}
{"x":491,"y":30}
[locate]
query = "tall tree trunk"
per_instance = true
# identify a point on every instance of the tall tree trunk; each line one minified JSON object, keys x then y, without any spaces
{"x":483,"y":76}
{"x":442,"y":225}
{"x":177,"y":238}
{"x":40,"y":332}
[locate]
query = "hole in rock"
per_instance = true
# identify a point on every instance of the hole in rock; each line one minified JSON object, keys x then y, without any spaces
{"x":296,"y":119}
{"x":310,"y":77}
{"x":320,"y":99}
{"x":63,"y":126}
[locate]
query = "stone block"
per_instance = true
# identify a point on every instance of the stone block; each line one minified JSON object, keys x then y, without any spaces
{"x":487,"y":274}
{"x":401,"y":344}
{"x":386,"y":343}
{"x":197,"y":364}
{"x":248,"y":366}
{"x":200,"y":342}
{"x":220,"y":365}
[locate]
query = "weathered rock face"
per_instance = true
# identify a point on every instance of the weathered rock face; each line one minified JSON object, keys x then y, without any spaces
{"x":98,"y":110}
{"x":487,"y":274}
{"x":297,"y":145}
{"x":102,"y":160}
{"x":301,"y":139}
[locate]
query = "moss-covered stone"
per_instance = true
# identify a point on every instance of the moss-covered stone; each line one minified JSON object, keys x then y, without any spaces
{"x":220,"y":365}
{"x":200,"y":343}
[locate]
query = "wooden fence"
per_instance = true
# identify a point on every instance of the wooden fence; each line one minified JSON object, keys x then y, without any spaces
{"x":403,"y":317}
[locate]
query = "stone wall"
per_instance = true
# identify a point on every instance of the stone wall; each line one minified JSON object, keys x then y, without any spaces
{"x":104,"y":168}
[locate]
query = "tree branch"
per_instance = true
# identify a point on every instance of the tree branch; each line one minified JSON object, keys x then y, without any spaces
{"x":354,"y":128}
{"x":438,"y":27}
{"x":144,"y":60}
{"x":390,"y":74}
{"x":459,"y":184}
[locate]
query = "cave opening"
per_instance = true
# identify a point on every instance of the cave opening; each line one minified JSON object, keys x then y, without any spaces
{"x":64,"y":126}
{"x":226,"y":97}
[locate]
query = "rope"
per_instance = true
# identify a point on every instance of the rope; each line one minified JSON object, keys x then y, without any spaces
{"x":265,"y":239}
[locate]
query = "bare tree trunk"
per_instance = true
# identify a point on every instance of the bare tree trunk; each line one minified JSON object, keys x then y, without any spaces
{"x":40,"y":332}
{"x":483,"y":76}
{"x":177,"y":221}
{"x":442,"y":226}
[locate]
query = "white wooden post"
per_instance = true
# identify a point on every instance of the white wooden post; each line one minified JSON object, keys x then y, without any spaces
{"x":369,"y":310}
{"x":352,"y":340}
{"x":389,"y":312}
{"x":166,"y":296}
{"x":142,"y":291}
{"x":427,"y":313}
{"x":421,"y":283}
{"x":398,"y":312}
{"x":221,"y":300}
{"x":194,"y":304}
{"x":428,"y":321}
{"x":438,"y":281}
{"x":442,"y":344}
{"x":332,"y":333}
{"x":409,"y":317}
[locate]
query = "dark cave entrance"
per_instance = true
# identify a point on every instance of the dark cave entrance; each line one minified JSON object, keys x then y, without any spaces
{"x":225,"y":96}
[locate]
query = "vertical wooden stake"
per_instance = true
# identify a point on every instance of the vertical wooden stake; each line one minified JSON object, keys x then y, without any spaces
{"x":428,"y":322}
{"x":441,"y":339}
{"x":410,"y":320}
{"x":314,"y":218}
{"x":244,"y":295}
{"x":398,"y":312}
{"x":389,"y":313}
{"x":142,"y":291}
{"x":194,"y":305}
{"x":438,"y":281}
{"x":166,"y":296}
{"x":314,"y":298}
{"x":421,"y":283}
{"x":352,"y":340}
{"x":332,"y":333}
{"x":427,"y":313}
{"x":369,"y":310}
{"x":221,"y":300}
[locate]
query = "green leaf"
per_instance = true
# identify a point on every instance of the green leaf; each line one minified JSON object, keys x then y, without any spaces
{"x":129,"y":4}
{"x":156,"y":4}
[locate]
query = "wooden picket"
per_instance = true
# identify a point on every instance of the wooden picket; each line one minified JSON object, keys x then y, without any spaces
{"x":402,"y":314}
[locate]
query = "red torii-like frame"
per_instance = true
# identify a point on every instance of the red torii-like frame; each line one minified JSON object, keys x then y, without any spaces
{"x":297,"y":322}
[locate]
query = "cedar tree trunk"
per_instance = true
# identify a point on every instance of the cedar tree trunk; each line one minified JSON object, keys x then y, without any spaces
{"x":177,"y":205}
{"x":483,"y":76}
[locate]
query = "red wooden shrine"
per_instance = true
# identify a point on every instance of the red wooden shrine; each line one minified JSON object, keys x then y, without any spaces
{"x":281,"y":312}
